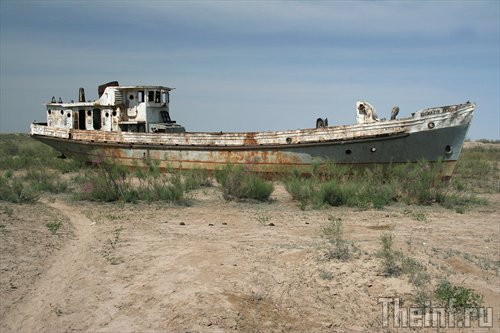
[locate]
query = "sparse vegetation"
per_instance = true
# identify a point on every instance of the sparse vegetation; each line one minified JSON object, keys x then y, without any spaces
{"x":330,"y":184}
{"x":46,"y":181}
{"x":395,"y":263}
{"x":110,"y":247}
{"x":335,"y":189}
{"x":337,"y":247}
{"x":196,"y":178}
{"x":325,"y":275}
{"x":58,"y":310}
{"x":237,"y":184}
{"x":417,"y":215}
{"x":54,"y":226}
{"x":12,"y":189}
{"x":20,"y":152}
{"x":478,"y":170}
{"x":412,"y":183}
{"x":390,"y":257}
{"x":457,"y":298}
{"x":7,"y":210}
{"x":262,"y":219}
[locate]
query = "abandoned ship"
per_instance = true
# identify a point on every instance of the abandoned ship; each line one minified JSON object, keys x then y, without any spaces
{"x":132,"y":124}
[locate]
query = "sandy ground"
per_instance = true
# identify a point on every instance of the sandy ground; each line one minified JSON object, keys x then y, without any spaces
{"x":217,"y":266}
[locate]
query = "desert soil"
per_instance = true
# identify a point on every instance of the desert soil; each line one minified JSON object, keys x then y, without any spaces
{"x":217,"y":266}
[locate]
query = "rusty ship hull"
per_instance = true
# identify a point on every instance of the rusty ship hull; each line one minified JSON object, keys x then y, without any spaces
{"x":433,"y":134}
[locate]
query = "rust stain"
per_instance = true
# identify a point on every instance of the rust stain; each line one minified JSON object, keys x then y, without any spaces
{"x":250,"y":139}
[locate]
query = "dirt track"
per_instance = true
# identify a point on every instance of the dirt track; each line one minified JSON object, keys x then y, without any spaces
{"x":217,"y":266}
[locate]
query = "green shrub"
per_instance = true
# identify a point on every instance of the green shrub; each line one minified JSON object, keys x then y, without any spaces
{"x":477,"y":169}
{"x":390,"y":257}
{"x":238,"y":184}
{"x":337,"y":247}
{"x":331,"y":193}
{"x":420,"y":183}
{"x":107,"y":182}
{"x":413,"y":183}
{"x":54,"y":226}
{"x":196,"y":178}
{"x":157,"y":186}
{"x":46,"y":181}
{"x":12,"y":189}
{"x":164,"y":188}
{"x":300,"y":189}
{"x":457,"y":298}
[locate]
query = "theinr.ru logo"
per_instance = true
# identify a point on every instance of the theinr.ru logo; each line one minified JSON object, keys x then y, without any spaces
{"x":395,"y":315}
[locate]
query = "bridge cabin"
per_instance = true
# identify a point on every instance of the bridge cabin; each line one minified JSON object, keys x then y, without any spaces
{"x":118,"y":109}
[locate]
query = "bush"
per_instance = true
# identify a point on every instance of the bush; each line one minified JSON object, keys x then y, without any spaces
{"x":300,"y":189}
{"x":13,"y":190}
{"x":238,"y":184}
{"x":53,"y":226}
{"x":413,"y":183}
{"x":331,"y":193}
{"x":390,"y":257}
{"x":419,"y":182}
{"x":107,"y":182}
{"x":195,"y":178}
{"x":457,"y":298}
{"x":477,"y":169}
{"x":156,"y":186}
{"x":337,"y":247}
{"x":46,"y":181}
{"x":163,"y":188}
{"x":354,"y":193}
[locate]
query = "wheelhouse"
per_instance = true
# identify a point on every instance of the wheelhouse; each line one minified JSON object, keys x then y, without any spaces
{"x":118,"y":109}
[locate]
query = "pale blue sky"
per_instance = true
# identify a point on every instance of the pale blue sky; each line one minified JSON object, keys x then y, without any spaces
{"x":255,"y":65}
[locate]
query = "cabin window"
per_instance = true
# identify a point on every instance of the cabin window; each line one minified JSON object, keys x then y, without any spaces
{"x":89,"y":113}
{"x":157,"y":97}
{"x":62,"y":112}
{"x":140,"y":96}
{"x":81,"y":119}
{"x":131,"y":97}
{"x":96,"y":118}
{"x":113,"y":114}
{"x":165,"y":97}
{"x":151,"y":96}
{"x":49,"y":111}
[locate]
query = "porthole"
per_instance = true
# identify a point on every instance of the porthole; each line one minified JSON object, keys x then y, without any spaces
{"x":50,"y":112}
{"x":373,"y":149}
{"x":107,"y":114}
{"x":348,"y":152}
{"x":288,"y":140}
{"x":62,"y":112}
{"x":131,"y":97}
{"x":89,"y":113}
{"x":114,"y":114}
{"x":448,"y":149}
{"x":68,"y":115}
{"x":431,"y":125}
